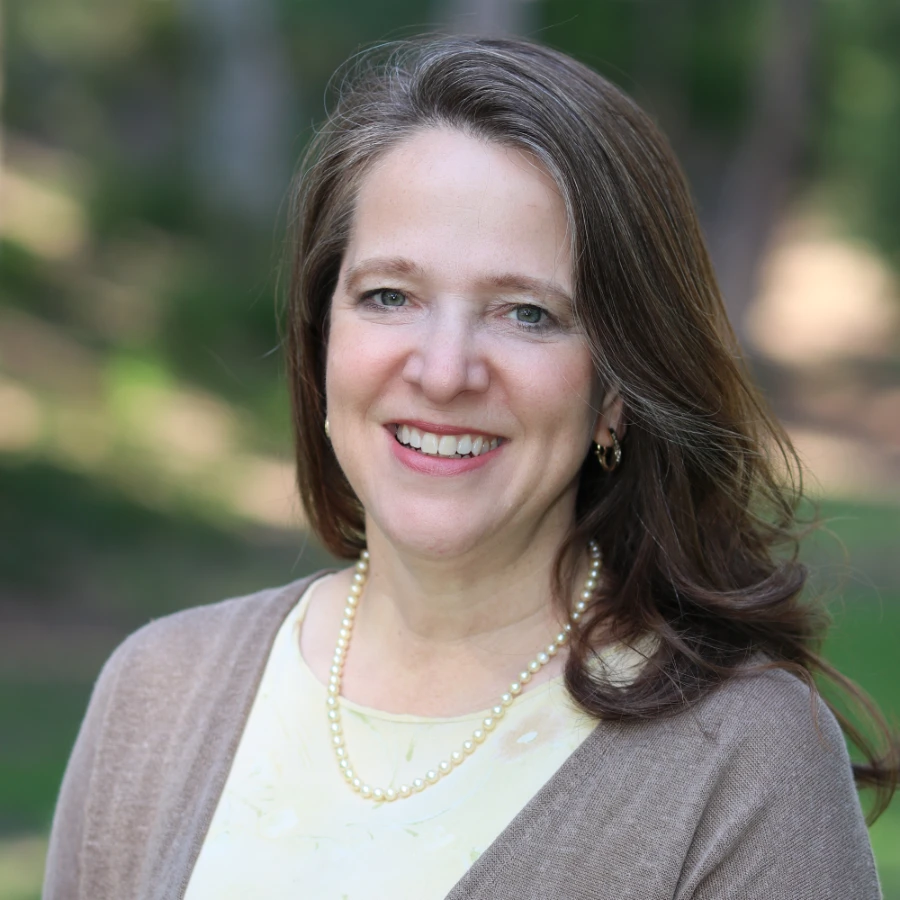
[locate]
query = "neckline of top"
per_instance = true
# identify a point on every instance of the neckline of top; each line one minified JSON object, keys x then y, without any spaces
{"x":294,"y":620}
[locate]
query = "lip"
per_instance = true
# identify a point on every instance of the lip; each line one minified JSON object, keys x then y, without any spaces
{"x":437,"y":465}
{"x":443,"y":429}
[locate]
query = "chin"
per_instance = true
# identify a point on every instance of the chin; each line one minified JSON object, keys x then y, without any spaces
{"x":431,"y":537}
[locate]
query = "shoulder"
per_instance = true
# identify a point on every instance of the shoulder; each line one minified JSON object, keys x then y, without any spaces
{"x":747,"y":793}
{"x":200,"y":639}
{"x":208,"y":624}
{"x":188,"y":674}
{"x":762,"y":730}
{"x":761,"y":741}
{"x":778,"y":813}
{"x":760,"y":697}
{"x":756,"y":787}
{"x":772,"y":711}
{"x":161,"y":726}
{"x":779,"y":788}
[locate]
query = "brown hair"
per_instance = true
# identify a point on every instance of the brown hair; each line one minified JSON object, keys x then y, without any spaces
{"x":697,"y":525}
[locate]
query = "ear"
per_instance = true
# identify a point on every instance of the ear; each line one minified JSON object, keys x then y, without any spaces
{"x":610,"y":416}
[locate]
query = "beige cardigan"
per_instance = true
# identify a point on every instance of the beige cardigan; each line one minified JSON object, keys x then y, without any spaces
{"x":739,"y":797}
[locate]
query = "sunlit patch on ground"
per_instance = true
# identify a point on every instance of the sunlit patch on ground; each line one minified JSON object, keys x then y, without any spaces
{"x":844,"y":465}
{"x":828,"y":314}
{"x":824,"y":298}
{"x":22,"y":866}
{"x":42,"y":217}
{"x":20,"y":417}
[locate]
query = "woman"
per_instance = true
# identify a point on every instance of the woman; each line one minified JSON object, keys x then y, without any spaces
{"x":509,"y":362}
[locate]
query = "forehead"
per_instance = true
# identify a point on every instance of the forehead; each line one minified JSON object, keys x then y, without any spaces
{"x":447,"y":199}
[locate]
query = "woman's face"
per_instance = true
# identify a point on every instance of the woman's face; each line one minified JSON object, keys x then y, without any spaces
{"x":452,"y":333}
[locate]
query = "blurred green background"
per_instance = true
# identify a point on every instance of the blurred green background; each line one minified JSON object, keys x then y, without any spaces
{"x":147,"y":149}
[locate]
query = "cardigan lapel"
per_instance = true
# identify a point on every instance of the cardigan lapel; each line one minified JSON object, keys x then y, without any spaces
{"x":220,"y":734}
{"x":243,"y":676}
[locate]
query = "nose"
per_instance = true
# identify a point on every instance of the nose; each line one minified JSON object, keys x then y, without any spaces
{"x":447,"y":359}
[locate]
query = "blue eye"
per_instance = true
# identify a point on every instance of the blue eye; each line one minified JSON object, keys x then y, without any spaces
{"x":388,"y":297}
{"x":529,"y":315}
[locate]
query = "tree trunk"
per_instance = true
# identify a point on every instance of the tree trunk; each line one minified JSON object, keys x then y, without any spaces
{"x":760,"y":175}
{"x":492,"y":18}
{"x":2,"y":73}
{"x":242,"y":107}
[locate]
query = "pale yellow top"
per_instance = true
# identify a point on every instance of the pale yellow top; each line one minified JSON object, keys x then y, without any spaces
{"x":288,"y":825}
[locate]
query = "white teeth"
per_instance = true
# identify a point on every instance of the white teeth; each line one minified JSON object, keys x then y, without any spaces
{"x":446,"y":445}
{"x":430,"y":443}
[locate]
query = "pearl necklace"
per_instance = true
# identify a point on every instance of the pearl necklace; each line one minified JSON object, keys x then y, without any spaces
{"x":488,"y":724}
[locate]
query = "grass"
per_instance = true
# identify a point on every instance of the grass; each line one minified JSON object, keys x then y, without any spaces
{"x":42,"y":721}
{"x":41,"y":708}
{"x":863,"y":645}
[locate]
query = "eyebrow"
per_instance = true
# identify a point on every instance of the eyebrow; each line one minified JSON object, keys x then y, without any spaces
{"x":512,"y":282}
{"x":525,"y":284}
{"x":382,"y":265}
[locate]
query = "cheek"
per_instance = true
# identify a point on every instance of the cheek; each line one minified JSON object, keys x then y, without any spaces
{"x":561,"y":391}
{"x":339,"y":385}
{"x":359,"y":361}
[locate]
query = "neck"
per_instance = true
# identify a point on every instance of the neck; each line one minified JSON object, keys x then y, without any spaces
{"x":452,"y":601}
{"x":445,"y":635}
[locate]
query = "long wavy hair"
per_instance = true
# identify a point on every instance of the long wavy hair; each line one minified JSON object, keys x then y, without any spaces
{"x":698,"y":524}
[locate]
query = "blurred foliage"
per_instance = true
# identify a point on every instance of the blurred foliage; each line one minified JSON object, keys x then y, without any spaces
{"x":119,"y":561}
{"x":114,"y":86}
{"x":707,"y":49}
{"x":144,"y":288}
{"x":115,"y":81}
{"x":858,"y":128}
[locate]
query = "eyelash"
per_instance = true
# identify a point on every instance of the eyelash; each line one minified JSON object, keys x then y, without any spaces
{"x":547,"y":323}
{"x":368,"y":298}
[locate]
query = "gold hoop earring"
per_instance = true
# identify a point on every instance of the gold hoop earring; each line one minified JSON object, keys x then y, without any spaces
{"x":327,"y":430}
{"x":609,"y":457}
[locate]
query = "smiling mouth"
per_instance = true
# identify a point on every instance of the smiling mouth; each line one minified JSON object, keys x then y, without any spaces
{"x":445,"y":446}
